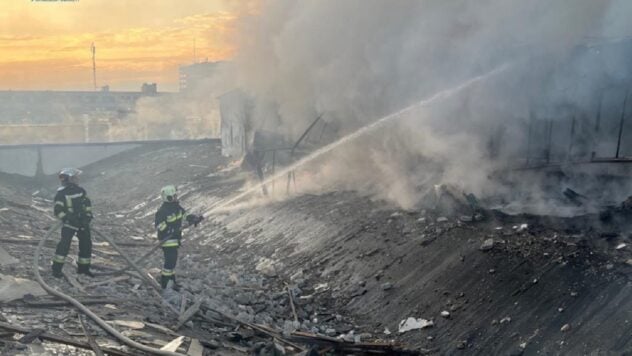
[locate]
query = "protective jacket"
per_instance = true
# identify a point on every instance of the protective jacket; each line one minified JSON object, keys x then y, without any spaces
{"x":168,"y":223}
{"x":73,"y":206}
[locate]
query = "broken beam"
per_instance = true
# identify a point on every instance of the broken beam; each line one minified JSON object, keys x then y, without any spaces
{"x":56,"y":303}
{"x":111,"y":280}
{"x":289,"y":292}
{"x":340,"y":345}
{"x":73,"y":281}
{"x":61,"y":340}
{"x":188,"y":314}
{"x":129,"y":261}
{"x":138,"y":261}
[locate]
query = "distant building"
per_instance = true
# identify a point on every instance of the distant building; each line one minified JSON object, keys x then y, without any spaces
{"x":196,"y":76}
{"x":66,"y":116}
{"x":105,"y":115}
{"x":149,"y":89}
{"x":48,"y":107}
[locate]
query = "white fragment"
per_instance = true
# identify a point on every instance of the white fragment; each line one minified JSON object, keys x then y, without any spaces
{"x":487,"y":245}
{"x":129,"y":324}
{"x":445,"y":314}
{"x":414,"y":324}
{"x":173,"y":345}
{"x":620,"y":246}
{"x":267,"y":267}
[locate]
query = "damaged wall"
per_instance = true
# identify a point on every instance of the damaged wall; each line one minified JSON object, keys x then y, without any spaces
{"x":26,"y":160}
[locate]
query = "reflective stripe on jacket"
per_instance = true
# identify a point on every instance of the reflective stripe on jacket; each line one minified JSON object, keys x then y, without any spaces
{"x":168,"y":223}
{"x":73,"y":205}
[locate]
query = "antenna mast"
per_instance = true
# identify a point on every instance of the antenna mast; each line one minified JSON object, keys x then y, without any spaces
{"x":93,"y":49}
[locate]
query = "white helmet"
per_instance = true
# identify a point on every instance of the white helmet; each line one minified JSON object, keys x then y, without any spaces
{"x":69,"y":175}
{"x":169,"y":193}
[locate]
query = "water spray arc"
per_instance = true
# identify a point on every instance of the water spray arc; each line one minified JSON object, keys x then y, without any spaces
{"x":437,"y":97}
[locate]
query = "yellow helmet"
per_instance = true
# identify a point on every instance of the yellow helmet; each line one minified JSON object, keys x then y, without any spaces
{"x":169,"y":193}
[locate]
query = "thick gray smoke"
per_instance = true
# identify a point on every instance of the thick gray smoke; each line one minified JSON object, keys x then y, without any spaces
{"x":357,"y":60}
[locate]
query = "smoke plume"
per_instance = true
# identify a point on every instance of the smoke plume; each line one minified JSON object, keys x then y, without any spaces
{"x":358,"y":60}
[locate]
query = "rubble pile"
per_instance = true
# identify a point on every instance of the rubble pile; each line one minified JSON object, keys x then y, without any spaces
{"x":335,"y":271}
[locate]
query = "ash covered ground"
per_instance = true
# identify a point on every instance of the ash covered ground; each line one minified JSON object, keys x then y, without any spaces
{"x":355,"y":268}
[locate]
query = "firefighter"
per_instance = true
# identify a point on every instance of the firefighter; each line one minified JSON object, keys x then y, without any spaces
{"x":168,"y":223}
{"x":73,"y":208}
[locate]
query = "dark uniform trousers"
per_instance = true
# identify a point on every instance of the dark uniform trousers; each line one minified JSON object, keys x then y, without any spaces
{"x":74,"y":208}
{"x":168,"y":271}
{"x":168,"y":222}
{"x":85,"y":248}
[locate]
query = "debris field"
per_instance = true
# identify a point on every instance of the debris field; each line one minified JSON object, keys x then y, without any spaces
{"x":333,"y":273}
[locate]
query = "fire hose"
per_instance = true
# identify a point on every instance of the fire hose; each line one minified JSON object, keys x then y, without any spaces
{"x":125,"y":340}
{"x":137,"y":262}
{"x":129,"y":261}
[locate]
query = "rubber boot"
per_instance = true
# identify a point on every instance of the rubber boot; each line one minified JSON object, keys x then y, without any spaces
{"x":175,"y":286}
{"x":164,"y":282}
{"x":85,"y":270}
{"x":56,"y":267}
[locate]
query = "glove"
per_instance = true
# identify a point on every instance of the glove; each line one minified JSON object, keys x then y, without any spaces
{"x":194,"y":219}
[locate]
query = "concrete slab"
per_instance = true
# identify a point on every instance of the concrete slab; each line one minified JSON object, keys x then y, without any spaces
{"x":12,"y":288}
{"x":6,"y":259}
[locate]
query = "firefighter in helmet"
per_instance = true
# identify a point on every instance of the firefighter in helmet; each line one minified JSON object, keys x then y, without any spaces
{"x":74,"y":209}
{"x":168,"y":222}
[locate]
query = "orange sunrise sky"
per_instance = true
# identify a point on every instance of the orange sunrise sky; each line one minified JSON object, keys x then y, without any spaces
{"x":45,"y":45}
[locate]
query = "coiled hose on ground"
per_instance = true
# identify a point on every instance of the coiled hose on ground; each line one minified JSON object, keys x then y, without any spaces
{"x":125,"y":340}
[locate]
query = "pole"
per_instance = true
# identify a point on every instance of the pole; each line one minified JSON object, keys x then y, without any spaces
{"x":597,"y":124}
{"x":570,"y":145}
{"x":94,"y":66}
{"x":625,"y":101}
{"x":548,"y":146}
{"x":531,"y":115}
{"x":273,"y":168}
